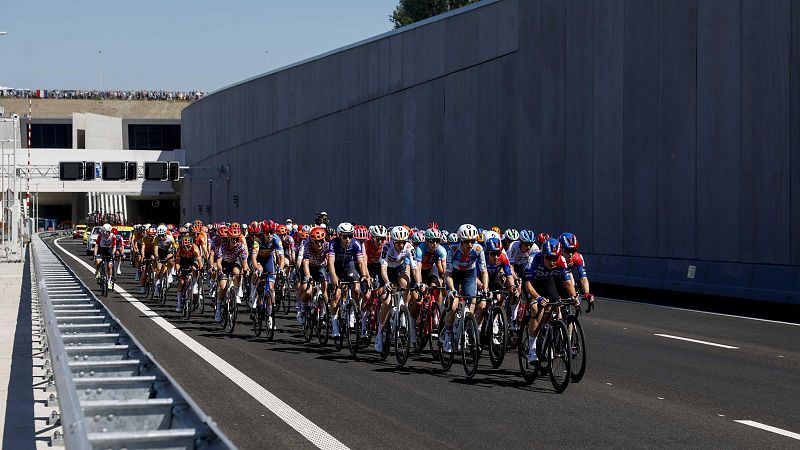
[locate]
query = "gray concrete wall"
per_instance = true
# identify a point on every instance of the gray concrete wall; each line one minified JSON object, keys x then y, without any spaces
{"x":665,"y":133}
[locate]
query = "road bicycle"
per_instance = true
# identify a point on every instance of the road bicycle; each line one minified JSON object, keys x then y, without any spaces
{"x":261,"y":320}
{"x":430,"y":314}
{"x":229,"y":307}
{"x":188,"y":292}
{"x":397,"y":330}
{"x":552,"y":347}
{"x":317,"y":316}
{"x":465,"y":337}
{"x":349,"y":314}
{"x":494,"y":327}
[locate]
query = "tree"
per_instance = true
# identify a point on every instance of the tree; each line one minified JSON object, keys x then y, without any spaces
{"x":410,"y":11}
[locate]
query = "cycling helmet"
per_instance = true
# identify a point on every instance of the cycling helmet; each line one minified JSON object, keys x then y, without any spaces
{"x":568,"y":241}
{"x":318,"y":234}
{"x":399,"y":234}
{"x":481,"y":236}
{"x":281,"y":230}
{"x":170,"y":227}
{"x":147,"y":225}
{"x":418,"y":237}
{"x":183,"y":230}
{"x":527,"y":237}
{"x":254,"y":227}
{"x":106,"y":228}
{"x":433,"y":234}
{"x":345,"y":228}
{"x":467,"y":232}
{"x":542,"y":237}
{"x":235,"y":230}
{"x":302,"y":235}
{"x":306,"y":228}
{"x":511,"y":234}
{"x":453,"y":238}
{"x":496,"y":229}
{"x":361,"y":234}
{"x":551,"y":247}
{"x":205,"y":229}
{"x":222,"y":231}
{"x":491,"y":234}
{"x":188,"y":225}
{"x":433,"y":225}
{"x":114,"y":231}
{"x":377,"y":231}
{"x":493,"y":245}
{"x":151,"y":231}
{"x":197,"y":228}
{"x":161,"y":231}
{"x":198,"y":222}
{"x":186,"y":240}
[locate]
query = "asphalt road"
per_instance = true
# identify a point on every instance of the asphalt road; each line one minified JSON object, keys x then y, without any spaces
{"x":640,"y":389}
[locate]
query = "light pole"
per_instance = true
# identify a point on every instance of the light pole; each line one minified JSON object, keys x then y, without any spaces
{"x":100,"y":70}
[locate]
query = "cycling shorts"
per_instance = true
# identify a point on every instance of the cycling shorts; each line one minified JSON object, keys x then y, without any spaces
{"x":465,"y":282}
{"x":430,"y":275}
{"x":393,"y":273}
{"x":188,"y":263}
{"x":347,"y":272}
{"x":374,"y":270}
{"x":104,"y":252}
{"x":268,"y":264}
{"x":227,"y":267}
{"x":318,"y":273}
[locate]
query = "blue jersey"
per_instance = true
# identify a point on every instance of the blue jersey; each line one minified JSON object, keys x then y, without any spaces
{"x":428,"y":258}
{"x":536,"y":270}
{"x":500,"y":263}
{"x":344,"y":256}
{"x":460,"y":260}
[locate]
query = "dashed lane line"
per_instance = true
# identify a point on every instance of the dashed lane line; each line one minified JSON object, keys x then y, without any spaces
{"x":669,"y":336}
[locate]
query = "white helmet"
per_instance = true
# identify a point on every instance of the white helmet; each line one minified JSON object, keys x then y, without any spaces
{"x":161,"y":230}
{"x":467,"y":232}
{"x":399,"y":234}
{"x":453,"y":238}
{"x":106,"y":228}
{"x":377,"y":231}
{"x":489,"y":234}
{"x":146,"y":226}
{"x":345,"y":228}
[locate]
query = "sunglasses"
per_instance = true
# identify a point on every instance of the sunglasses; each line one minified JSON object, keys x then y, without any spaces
{"x":379,"y":239}
{"x":551,"y":258}
{"x":345,"y":236}
{"x":495,"y":254}
{"x":468,"y":241}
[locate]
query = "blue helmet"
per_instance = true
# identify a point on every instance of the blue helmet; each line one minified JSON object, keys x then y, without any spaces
{"x":551,"y":247}
{"x":568,"y":241}
{"x":527,"y":236}
{"x":493,"y":245}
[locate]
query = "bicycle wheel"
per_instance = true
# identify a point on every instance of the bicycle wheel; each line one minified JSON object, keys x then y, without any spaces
{"x":387,"y":341}
{"x":527,"y":369}
{"x":434,"y":318}
{"x":278,"y":294}
{"x":559,"y":356}
{"x":269,"y":317}
{"x":423,"y":329}
{"x":470,"y":343}
{"x":577,"y":350}
{"x":223,"y":306}
{"x":287,"y":297}
{"x":257,"y":314}
{"x":231,"y":310}
{"x":445,"y":358}
{"x":103,"y":284}
{"x":353,"y":327}
{"x":186,"y":305}
{"x":341,"y":315}
{"x":323,"y":323}
{"x":309,"y":325}
{"x":402,"y":336}
{"x":498,"y":336}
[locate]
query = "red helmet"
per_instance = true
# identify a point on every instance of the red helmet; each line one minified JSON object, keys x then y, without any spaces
{"x":302,"y":234}
{"x":543,"y":237}
{"x":253,"y":228}
{"x":197,"y":228}
{"x":318,"y":234}
{"x":170,"y":227}
{"x":151,"y":231}
{"x":268,"y":226}
{"x":235,"y":230}
{"x":433,"y":225}
{"x":281,"y":230}
{"x":361,"y":233}
{"x":222,"y":231}
{"x":114,"y":231}
{"x":183,"y":230}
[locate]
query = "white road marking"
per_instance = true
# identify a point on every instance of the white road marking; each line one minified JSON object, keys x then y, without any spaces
{"x":702,"y":312}
{"x":292,"y":417}
{"x":772,"y":429}
{"x":695,"y":341}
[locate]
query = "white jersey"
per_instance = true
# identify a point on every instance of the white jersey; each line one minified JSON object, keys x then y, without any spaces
{"x":391,"y":257}
{"x":517,"y":256}
{"x":167,"y":243}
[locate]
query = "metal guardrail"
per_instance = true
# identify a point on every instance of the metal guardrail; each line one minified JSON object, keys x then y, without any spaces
{"x":111,"y":394}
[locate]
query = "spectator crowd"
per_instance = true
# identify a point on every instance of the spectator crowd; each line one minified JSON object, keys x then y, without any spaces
{"x":102,"y":95}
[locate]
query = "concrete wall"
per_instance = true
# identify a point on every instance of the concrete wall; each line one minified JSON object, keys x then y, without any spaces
{"x":102,"y":132}
{"x":665,"y":133}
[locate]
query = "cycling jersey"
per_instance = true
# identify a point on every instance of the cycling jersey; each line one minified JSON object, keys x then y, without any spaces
{"x":391,"y":257}
{"x":112,"y":241}
{"x":167,"y":243}
{"x":428,"y":258}
{"x":344,"y":256}
{"x":264,"y":247}
{"x":315,"y":257}
{"x":183,"y":253}
{"x":536,"y":270}
{"x":516,"y":256}
{"x":149,"y":243}
{"x":501,"y":263}
{"x":577,"y":263}
{"x":459,"y":260}
{"x":373,"y":251}
{"x":288,"y":243}
{"x":232,"y":253}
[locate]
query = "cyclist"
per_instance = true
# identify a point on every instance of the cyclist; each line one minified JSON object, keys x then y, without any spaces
{"x":499,"y":270}
{"x":231,"y":259}
{"x":541,"y":274}
{"x":147,"y":251}
{"x":136,"y":248}
{"x":521,"y":251}
{"x":396,"y":258}
{"x":345,"y":260}
{"x":463,"y":266}
{"x":188,"y":261}
{"x":575,"y":263}
{"x":119,"y":250}
{"x":165,"y":246}
{"x":313,"y":256}
{"x":105,"y":246}
{"x":431,"y":260}
{"x":266,"y":248}
{"x":373,"y":247}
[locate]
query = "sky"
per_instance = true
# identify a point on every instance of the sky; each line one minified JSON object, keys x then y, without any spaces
{"x":172,"y":44}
